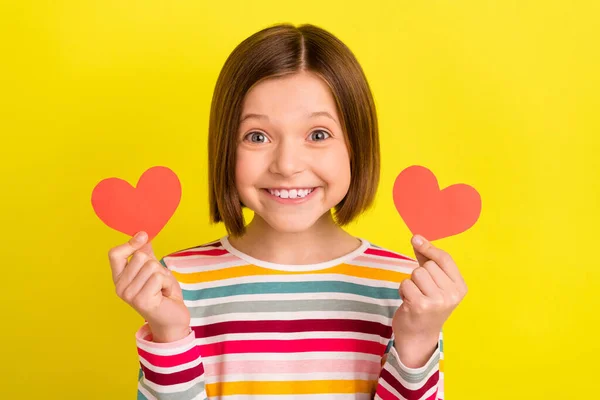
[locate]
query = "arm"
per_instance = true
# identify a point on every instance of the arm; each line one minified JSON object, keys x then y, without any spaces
{"x":397,"y":381}
{"x":172,"y":371}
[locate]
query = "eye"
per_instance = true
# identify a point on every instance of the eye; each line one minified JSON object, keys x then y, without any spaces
{"x":256,"y":137}
{"x":319,"y":135}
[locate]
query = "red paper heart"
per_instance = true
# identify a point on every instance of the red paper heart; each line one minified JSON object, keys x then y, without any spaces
{"x":431,"y":212}
{"x":147,"y":207}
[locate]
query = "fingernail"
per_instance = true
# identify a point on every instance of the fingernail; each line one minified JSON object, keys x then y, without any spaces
{"x":140,"y":236}
{"x":417,"y":240}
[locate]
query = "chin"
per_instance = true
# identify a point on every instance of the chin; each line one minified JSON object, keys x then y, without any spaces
{"x":291,"y":224}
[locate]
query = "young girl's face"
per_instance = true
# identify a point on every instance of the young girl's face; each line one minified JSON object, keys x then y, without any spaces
{"x":292,"y":165}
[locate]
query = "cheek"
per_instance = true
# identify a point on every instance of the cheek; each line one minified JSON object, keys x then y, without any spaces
{"x":336,"y":167}
{"x":247,"y":169}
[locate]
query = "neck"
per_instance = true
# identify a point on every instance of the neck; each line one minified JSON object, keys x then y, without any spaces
{"x":323,"y":241}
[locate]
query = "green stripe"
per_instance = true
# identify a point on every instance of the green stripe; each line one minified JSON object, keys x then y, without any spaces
{"x":292,"y":287}
{"x":291,"y":306}
{"x":412,"y":377}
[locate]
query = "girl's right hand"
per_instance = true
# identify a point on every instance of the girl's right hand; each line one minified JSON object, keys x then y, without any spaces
{"x":147,"y":286}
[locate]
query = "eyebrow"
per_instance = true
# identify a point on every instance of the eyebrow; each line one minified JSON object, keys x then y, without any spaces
{"x":312,"y":115}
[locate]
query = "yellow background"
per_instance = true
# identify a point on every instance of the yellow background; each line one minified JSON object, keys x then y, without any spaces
{"x":502,"y":95}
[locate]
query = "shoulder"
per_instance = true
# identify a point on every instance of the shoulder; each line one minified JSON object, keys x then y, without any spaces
{"x":377,"y":256}
{"x":207,"y":253}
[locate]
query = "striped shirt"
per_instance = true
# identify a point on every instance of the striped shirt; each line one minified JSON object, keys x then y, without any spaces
{"x":263,"y":330}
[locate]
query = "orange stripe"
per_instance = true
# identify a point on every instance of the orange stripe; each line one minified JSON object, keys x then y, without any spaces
{"x":289,"y":387}
{"x":252,"y":270}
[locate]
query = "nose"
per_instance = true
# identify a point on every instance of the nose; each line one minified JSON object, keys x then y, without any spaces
{"x":288,"y":159}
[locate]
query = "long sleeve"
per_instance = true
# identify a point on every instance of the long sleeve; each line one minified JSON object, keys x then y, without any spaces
{"x":397,"y":381}
{"x":172,"y":371}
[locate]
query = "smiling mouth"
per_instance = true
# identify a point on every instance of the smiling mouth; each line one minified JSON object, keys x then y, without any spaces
{"x":296,"y":193}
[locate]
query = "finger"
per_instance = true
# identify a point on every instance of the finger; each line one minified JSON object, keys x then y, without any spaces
{"x":439,"y":277}
{"x":147,"y":248}
{"x":171,"y":288}
{"x":425,"y":283}
{"x":152,"y":288}
{"x":137,"y":283}
{"x":421,"y":259}
{"x":409,"y":292}
{"x":441,"y":258}
{"x":131,"y":270}
{"x":118,"y":256}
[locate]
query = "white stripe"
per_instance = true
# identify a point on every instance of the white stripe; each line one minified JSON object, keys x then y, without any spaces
{"x":300,"y":267}
{"x":201,"y":396}
{"x":165,"y":351}
{"x":348,"y":396}
{"x":428,"y":393}
{"x":418,"y":370}
{"x":170,"y":370}
{"x":290,"y":316}
{"x":376,"y":283}
{"x":293,"y":336}
{"x":292,"y":377}
{"x":293,"y":296}
{"x":180,"y":387}
{"x":146,"y":393}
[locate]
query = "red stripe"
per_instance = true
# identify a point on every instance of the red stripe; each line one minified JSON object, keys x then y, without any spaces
{"x":407,"y":393}
{"x":291,"y":346}
{"x":211,"y":252}
{"x":171,"y":360}
{"x":433,"y":396}
{"x":308,"y":325}
{"x":173,"y":378}
{"x":384,"y":393}
{"x":383,"y":253}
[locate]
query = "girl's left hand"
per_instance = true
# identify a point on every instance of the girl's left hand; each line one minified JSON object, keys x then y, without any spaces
{"x":433,"y":291}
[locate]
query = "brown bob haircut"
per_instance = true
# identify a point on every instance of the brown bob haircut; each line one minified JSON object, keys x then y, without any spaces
{"x":275,"y":51}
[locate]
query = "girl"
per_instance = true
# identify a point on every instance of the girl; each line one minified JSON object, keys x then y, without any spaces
{"x":291,"y":305}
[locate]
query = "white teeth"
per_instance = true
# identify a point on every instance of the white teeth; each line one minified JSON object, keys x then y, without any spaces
{"x":290,"y":194}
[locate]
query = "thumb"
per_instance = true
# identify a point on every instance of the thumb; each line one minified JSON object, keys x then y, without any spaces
{"x":418,"y":242}
{"x":138,"y":242}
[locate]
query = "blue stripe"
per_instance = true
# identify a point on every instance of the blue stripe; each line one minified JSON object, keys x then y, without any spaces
{"x":291,"y":287}
{"x":389,"y":346}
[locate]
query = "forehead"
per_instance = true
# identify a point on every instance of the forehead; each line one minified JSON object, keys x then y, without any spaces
{"x":290,"y":95}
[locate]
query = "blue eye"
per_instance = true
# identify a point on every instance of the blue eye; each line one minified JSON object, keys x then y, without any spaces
{"x":320,"y":135}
